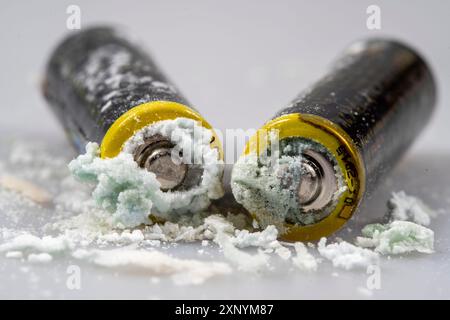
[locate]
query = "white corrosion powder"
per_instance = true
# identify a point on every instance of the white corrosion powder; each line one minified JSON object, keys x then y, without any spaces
{"x":131,"y":193}
{"x":400,"y":236}
{"x":346,"y":255}
{"x":267,"y":186}
{"x":258,"y":188}
{"x":79,"y":228}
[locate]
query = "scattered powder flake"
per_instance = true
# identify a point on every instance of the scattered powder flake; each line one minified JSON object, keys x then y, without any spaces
{"x":304,"y":260}
{"x":244,"y":261}
{"x":405,"y":207}
{"x":123,"y":238}
{"x":265,"y":238}
{"x":26,"y":188}
{"x":155,"y":263}
{"x":347,"y":256}
{"x":397,"y":237}
{"x":39,"y":258}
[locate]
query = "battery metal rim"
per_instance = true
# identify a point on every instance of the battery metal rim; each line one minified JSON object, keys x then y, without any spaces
{"x":144,"y":115}
{"x":341,"y":147}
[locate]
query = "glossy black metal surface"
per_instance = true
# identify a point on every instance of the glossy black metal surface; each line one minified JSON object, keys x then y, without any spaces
{"x":381,"y":93}
{"x":96,"y":75}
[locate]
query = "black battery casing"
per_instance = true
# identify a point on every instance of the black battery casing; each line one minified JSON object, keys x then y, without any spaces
{"x":95,"y":76}
{"x":381,"y":93}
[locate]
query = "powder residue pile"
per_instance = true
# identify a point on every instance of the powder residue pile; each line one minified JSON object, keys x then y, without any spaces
{"x":76,"y":227}
{"x":131,"y":193}
{"x":400,"y":236}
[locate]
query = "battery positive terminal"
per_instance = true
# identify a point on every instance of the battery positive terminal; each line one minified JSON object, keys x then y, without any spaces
{"x":158,"y":154}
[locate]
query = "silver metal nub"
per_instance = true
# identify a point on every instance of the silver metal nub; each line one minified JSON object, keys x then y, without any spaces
{"x":318,"y":181}
{"x":155,"y":155}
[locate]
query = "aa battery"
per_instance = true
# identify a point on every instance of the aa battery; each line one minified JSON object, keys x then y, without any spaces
{"x":103,"y":88}
{"x":366,"y":112}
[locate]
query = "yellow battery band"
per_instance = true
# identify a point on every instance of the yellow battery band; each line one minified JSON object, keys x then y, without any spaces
{"x":340,"y":146}
{"x":144,"y":115}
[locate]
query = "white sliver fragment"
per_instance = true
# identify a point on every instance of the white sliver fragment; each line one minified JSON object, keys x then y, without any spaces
{"x":346,"y":255}
{"x":26,"y":188}
{"x":397,"y":237}
{"x":106,"y":106}
{"x":124,"y":238}
{"x":304,"y":260}
{"x":406,"y":207}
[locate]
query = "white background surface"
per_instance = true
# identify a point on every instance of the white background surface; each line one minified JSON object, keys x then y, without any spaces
{"x":239,"y":62}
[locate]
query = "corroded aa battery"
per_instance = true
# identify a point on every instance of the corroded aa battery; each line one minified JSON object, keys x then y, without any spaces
{"x":104,"y":88}
{"x":348,"y":130}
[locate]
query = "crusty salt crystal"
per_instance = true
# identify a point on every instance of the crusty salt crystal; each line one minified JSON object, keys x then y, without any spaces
{"x":346,"y":255}
{"x":397,"y":237}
